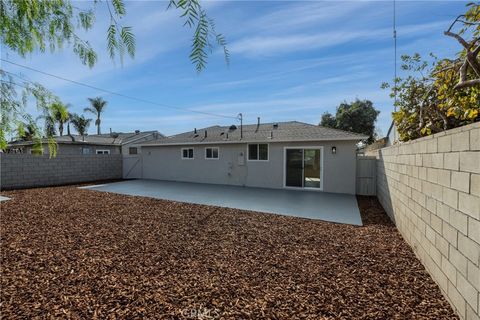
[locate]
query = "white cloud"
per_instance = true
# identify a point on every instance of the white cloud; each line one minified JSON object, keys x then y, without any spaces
{"x":302,"y":15}
{"x":261,"y":46}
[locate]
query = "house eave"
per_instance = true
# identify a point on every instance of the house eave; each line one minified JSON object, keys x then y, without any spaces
{"x":252,"y":141}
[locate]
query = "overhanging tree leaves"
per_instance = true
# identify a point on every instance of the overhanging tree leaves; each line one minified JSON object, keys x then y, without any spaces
{"x":205,"y":37}
{"x":445,"y":93}
{"x":38,"y":25}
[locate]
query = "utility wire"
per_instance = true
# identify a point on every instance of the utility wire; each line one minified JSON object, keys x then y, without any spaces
{"x":395,"y":54}
{"x":117,"y":93}
{"x":395,"y":64}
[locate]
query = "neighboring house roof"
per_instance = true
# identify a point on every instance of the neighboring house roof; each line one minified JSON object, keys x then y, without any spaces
{"x":265,"y":132}
{"x":116,"y":139}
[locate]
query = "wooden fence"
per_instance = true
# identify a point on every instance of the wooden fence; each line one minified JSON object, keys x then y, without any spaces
{"x":366,"y":176}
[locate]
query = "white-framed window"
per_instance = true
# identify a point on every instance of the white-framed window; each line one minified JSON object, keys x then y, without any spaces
{"x":102,"y":151}
{"x":258,"y":152}
{"x":86,"y":151}
{"x":187,"y":153}
{"x":212,"y":153}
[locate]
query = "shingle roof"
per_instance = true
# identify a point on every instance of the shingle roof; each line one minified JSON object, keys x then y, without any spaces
{"x":97,"y":139}
{"x":265,"y":132}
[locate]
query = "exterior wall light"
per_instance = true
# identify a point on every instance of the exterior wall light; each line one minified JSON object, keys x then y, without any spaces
{"x":334,"y":150}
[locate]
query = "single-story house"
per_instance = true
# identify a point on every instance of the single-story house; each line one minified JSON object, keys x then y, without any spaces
{"x":110,"y":143}
{"x":291,"y":155}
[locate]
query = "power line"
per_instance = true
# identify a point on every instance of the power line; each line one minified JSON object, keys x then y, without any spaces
{"x":395,"y":54}
{"x":395,"y":63}
{"x":117,"y":93}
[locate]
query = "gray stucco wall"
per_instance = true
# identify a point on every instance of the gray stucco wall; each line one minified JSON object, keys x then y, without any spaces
{"x":25,"y":170}
{"x":165,"y":163}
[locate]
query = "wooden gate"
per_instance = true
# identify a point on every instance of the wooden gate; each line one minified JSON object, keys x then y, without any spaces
{"x":366,"y":176}
{"x":132,"y":166}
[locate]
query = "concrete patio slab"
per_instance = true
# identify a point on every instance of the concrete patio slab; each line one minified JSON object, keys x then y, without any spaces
{"x":2,"y":198}
{"x":340,"y":208}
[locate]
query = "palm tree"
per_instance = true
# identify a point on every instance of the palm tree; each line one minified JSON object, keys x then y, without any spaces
{"x":80,"y":123}
{"x":60,"y":115}
{"x":49,"y":126}
{"x":57,"y":113}
{"x":98,"y":105}
{"x":69,"y":120}
{"x":27,"y":131}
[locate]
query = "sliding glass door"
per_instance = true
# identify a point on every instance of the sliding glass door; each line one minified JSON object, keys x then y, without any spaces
{"x":303,"y":167}
{"x":294,"y":170}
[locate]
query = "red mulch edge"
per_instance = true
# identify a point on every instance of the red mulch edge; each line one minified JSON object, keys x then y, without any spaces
{"x":73,"y":253}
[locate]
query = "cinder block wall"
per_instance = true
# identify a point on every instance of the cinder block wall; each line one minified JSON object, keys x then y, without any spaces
{"x":430,"y":187}
{"x":25,"y":170}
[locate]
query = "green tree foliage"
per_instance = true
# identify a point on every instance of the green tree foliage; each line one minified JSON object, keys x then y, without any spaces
{"x":41,"y":25}
{"x":97,"y":107}
{"x":60,"y":116}
{"x":13,"y":103}
{"x":80,"y":123}
{"x":26,"y":132}
{"x":205,"y":35}
{"x":359,"y":117}
{"x":445,"y":93}
{"x":328,"y":120}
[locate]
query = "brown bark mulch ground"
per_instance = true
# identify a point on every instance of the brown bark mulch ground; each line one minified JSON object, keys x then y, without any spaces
{"x":72,"y":253}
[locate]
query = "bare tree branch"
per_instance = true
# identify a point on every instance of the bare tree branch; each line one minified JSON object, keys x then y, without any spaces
{"x":462,"y":41}
{"x":468,"y":83}
{"x":470,"y":60}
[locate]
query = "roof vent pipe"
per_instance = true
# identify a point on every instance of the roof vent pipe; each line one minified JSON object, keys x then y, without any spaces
{"x":110,"y":130}
{"x":271,"y":134}
{"x":195,"y":130}
{"x":205,"y":133}
{"x":258,"y":123}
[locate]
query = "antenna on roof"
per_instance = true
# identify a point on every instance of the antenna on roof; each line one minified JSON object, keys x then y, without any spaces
{"x":240,"y":117}
{"x":395,"y":60}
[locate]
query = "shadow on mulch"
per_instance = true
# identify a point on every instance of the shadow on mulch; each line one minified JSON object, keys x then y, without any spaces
{"x":372,"y":212}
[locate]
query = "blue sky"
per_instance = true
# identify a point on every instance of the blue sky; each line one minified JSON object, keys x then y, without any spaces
{"x":289,"y":61}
